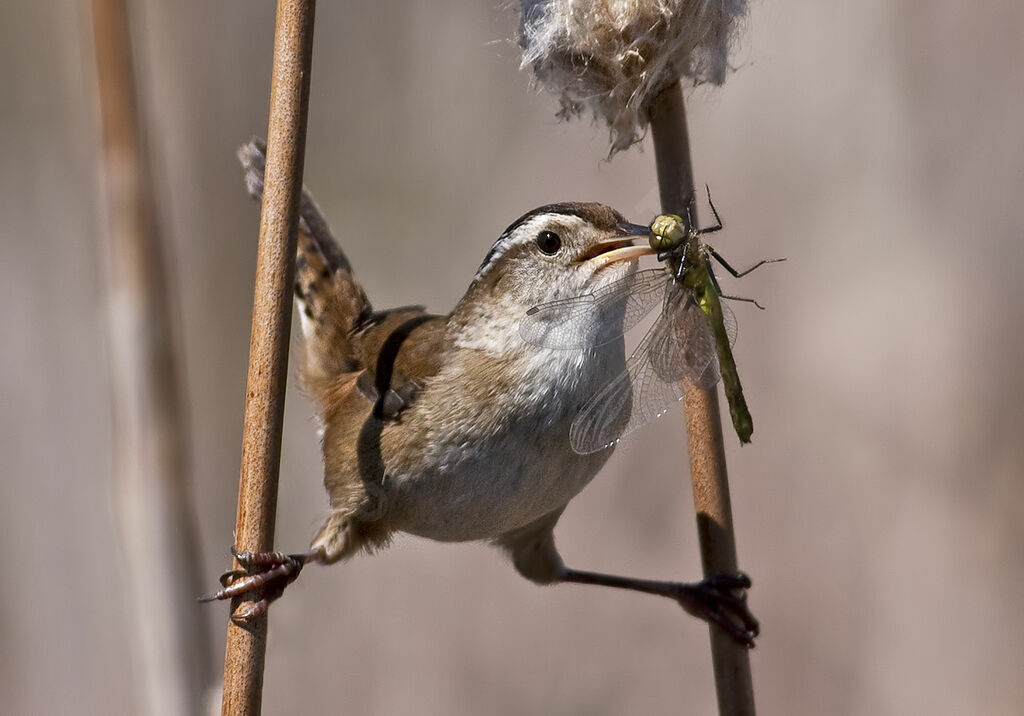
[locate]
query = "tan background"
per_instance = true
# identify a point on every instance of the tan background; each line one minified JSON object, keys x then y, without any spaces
{"x":878,"y":145}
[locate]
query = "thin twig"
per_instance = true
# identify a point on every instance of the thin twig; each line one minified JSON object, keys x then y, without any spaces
{"x":151,"y":481}
{"x":268,"y":347}
{"x":703,"y":421}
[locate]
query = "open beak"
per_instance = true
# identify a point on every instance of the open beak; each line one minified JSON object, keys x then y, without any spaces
{"x":620,"y":247}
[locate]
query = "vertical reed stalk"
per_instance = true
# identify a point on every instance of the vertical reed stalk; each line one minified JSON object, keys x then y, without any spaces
{"x":268,"y":349}
{"x":151,"y":446}
{"x":731,"y":660}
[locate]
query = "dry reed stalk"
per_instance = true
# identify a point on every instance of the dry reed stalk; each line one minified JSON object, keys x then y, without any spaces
{"x":705,"y":442}
{"x":151,"y":484}
{"x":268,"y":348}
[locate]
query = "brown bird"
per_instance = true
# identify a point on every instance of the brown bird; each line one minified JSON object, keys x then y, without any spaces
{"x":453,"y":427}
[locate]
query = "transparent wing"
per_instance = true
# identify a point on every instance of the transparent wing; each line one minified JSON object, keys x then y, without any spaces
{"x":729,"y":319}
{"x":684,"y":344}
{"x":595,"y":318}
{"x":632,"y":398}
{"x":679,"y":347}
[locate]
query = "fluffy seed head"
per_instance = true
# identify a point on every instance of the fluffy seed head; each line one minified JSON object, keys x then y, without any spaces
{"x":612,"y":57}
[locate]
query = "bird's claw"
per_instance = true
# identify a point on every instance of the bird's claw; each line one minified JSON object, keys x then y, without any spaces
{"x":722,"y":600}
{"x":264,"y":573}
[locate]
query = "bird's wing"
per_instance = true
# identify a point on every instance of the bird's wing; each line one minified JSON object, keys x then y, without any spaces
{"x":401,"y":350}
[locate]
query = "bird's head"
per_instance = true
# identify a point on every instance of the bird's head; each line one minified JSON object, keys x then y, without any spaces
{"x":554,"y":252}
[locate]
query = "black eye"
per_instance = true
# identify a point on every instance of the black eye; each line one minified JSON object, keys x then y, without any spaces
{"x":549,"y":242}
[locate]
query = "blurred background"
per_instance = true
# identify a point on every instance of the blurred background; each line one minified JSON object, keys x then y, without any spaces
{"x":877,"y":145}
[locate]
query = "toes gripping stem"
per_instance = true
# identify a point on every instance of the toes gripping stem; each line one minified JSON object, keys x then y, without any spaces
{"x":264,"y":573}
{"x":722,"y":600}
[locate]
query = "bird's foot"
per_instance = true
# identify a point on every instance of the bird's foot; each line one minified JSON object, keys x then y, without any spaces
{"x":265,"y":573}
{"x":722,"y":600}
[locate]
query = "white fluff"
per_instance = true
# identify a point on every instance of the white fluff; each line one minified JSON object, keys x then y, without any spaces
{"x":613,"y":56}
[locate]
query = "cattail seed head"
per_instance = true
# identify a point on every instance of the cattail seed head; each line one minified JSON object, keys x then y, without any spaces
{"x":612,"y":57}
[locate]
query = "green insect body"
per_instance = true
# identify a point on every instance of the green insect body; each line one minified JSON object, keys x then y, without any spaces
{"x":703,"y":290}
{"x":697,"y":280}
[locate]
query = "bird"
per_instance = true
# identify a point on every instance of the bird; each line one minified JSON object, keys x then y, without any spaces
{"x":452,"y":427}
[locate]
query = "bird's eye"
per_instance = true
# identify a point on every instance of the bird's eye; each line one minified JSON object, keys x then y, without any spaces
{"x":549,"y":242}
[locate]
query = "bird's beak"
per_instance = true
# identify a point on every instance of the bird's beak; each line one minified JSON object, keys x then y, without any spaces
{"x":620,"y":247}
{"x":628,"y":229}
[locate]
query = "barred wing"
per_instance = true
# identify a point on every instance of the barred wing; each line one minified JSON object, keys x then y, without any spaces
{"x":595,"y":318}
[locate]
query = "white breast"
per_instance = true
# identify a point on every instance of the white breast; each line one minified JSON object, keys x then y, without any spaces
{"x":497,"y":453}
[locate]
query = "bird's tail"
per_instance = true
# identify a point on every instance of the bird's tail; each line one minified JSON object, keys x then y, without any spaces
{"x":332,"y":304}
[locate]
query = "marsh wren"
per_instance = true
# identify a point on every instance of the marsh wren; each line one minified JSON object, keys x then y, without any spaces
{"x":453,"y":427}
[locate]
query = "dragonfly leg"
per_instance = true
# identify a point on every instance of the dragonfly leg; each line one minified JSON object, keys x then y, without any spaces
{"x":740,"y":274}
{"x":719,"y":600}
{"x":714,"y":279}
{"x":718,"y":219}
{"x":740,"y":298}
{"x":680,"y":270}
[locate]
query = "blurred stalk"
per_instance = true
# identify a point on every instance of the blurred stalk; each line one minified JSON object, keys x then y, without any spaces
{"x":705,"y":442}
{"x":245,"y":652}
{"x":151,"y":451}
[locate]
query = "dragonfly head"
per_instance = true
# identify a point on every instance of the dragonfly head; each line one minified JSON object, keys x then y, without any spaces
{"x":668,"y":232}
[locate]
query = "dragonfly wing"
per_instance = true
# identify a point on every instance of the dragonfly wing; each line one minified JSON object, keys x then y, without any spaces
{"x":729,"y":319}
{"x":594,"y":318}
{"x":684,"y":346}
{"x":647,"y":288}
{"x":631,"y":399}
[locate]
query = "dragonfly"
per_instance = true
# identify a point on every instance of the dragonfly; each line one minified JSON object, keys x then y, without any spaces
{"x":690,"y":341}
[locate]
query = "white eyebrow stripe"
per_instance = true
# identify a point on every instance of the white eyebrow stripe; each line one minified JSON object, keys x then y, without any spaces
{"x":522,"y":234}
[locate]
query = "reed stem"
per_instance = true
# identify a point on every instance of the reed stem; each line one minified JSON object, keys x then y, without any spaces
{"x":731,"y":660}
{"x":268,"y":348}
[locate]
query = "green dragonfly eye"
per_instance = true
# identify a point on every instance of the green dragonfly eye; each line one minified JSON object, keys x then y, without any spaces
{"x":668,"y":232}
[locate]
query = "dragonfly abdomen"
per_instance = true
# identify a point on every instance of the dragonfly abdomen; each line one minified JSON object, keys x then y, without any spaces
{"x":738,"y":411}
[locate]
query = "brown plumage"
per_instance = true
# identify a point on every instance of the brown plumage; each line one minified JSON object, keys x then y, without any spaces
{"x":361,"y":367}
{"x":452,"y":427}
